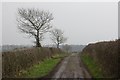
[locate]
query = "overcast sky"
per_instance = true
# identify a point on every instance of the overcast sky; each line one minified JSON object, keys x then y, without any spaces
{"x":82,"y":22}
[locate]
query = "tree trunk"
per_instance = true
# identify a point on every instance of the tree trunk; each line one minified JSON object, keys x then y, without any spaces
{"x":38,"y":40}
{"x":58,"y":45}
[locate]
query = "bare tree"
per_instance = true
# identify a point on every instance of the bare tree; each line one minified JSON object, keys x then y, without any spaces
{"x":66,"y":48}
{"x":34,"y":23}
{"x":58,"y":37}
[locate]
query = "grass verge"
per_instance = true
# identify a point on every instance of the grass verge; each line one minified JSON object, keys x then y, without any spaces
{"x":92,"y":66}
{"x":41,"y":69}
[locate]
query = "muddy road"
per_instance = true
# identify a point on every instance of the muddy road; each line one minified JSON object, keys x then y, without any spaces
{"x":71,"y":67}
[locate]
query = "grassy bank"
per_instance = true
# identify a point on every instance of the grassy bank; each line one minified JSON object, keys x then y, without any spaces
{"x":106,"y":54}
{"x":13,"y":62}
{"x":43,"y":68}
{"x":92,"y":66}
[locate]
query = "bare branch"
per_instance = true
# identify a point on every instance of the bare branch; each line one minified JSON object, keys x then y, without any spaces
{"x":58,"y":37}
{"x":34,"y":22}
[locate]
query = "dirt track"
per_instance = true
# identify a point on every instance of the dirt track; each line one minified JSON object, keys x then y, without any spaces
{"x":71,"y":67}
